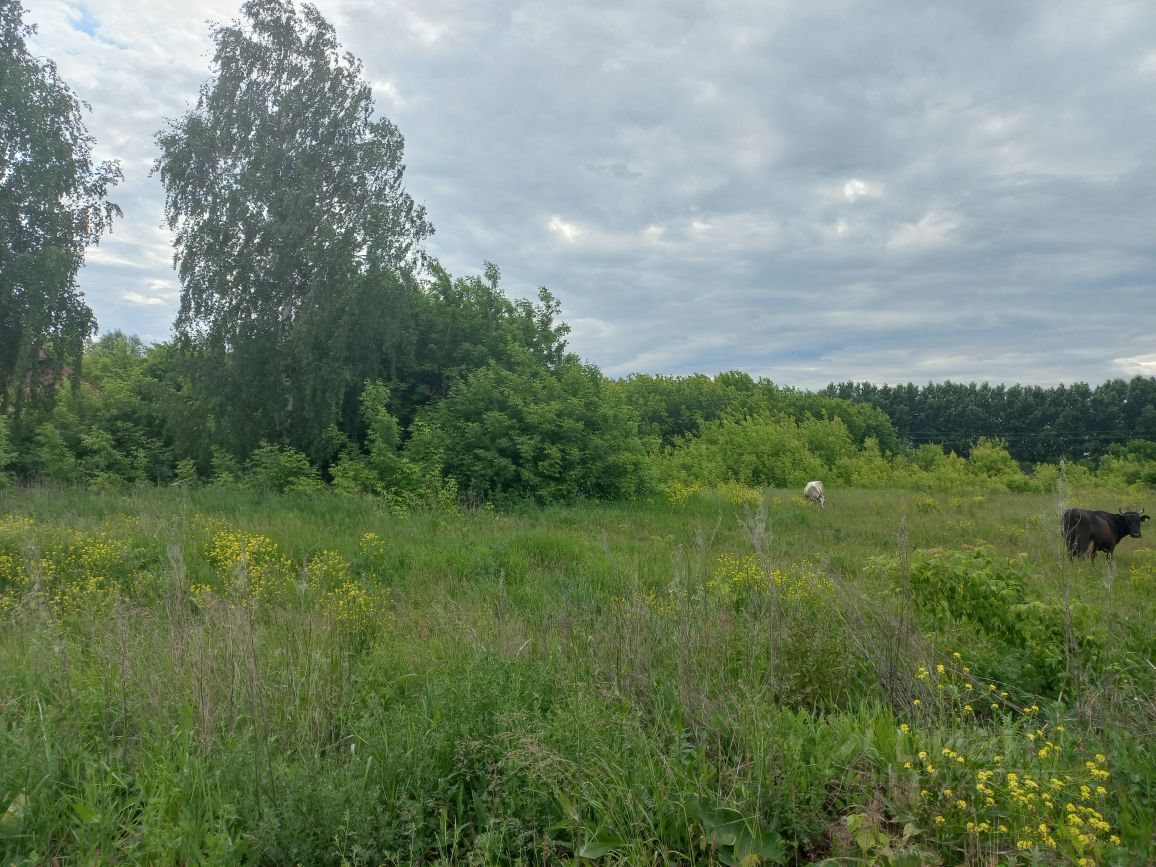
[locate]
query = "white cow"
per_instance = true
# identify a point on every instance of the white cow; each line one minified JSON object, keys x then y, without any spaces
{"x":814,"y":491}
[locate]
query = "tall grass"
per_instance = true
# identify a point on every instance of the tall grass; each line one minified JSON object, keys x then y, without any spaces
{"x":225,"y":677}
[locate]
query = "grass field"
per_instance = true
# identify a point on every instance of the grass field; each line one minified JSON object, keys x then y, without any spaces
{"x":220,"y":677}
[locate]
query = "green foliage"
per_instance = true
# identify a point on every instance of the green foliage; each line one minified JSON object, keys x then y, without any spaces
{"x":1131,"y":464}
{"x":764,"y":451}
{"x":732,"y":837}
{"x":383,"y":470}
{"x":51,"y":456}
{"x":776,"y":451}
{"x":120,"y":395}
{"x":52,"y":208}
{"x":1040,"y":425}
{"x":674,"y":407}
{"x":283,"y":469}
{"x":294,"y":234}
{"x":990,"y":460}
{"x":468,"y":323}
{"x":7,"y":456}
{"x":869,"y":468}
{"x":226,"y":471}
{"x":976,"y":586}
{"x":227,"y":676}
{"x":535,"y":433}
{"x":186,"y":472}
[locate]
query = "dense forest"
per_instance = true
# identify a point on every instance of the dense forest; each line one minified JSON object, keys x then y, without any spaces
{"x":1039,"y":424}
{"x":317,"y":343}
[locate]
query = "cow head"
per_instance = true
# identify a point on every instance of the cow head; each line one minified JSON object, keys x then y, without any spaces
{"x":1133,"y":520}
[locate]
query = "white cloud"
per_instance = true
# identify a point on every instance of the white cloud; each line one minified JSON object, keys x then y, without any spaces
{"x":1137,"y":365}
{"x":718,"y":183}
{"x":568,"y":231}
{"x":838,"y":229}
{"x":932,"y":230}
{"x":388,"y":91}
{"x":137,"y":298}
{"x":654,"y":234}
{"x":856,"y":189}
{"x":425,"y":30}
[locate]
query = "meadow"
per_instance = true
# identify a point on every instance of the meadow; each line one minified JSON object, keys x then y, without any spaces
{"x":724,"y":676}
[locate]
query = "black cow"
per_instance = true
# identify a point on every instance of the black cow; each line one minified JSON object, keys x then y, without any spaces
{"x":1087,"y":532}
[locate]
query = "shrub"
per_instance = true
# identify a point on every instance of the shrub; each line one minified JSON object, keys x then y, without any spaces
{"x":283,"y":469}
{"x":553,"y":435}
{"x":7,"y":456}
{"x":976,"y":586}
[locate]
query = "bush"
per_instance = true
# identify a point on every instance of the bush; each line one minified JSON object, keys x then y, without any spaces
{"x":52,"y":458}
{"x":283,"y":469}
{"x":6,"y":455}
{"x":536,"y":433}
{"x":976,"y":587}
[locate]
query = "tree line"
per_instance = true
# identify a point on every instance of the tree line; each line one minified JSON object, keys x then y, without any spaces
{"x":1038,"y":423}
{"x":317,"y":343}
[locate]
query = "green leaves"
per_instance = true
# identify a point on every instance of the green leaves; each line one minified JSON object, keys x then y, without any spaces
{"x":291,"y":227}
{"x":551,"y":435}
{"x":975,"y":585}
{"x":52,"y":207}
{"x":735,"y":839}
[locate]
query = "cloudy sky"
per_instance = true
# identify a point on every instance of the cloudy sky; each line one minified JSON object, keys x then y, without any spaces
{"x":811,"y":192}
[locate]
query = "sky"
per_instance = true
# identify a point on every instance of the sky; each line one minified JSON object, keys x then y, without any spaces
{"x":874,"y":191}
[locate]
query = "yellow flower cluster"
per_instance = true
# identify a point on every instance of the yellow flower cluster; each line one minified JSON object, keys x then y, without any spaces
{"x":15,"y":527}
{"x":1142,"y":570}
{"x":738,"y":494}
{"x":250,"y":564}
{"x":1042,"y":805}
{"x":82,"y":555}
{"x":663,"y":604}
{"x":739,"y":577}
{"x":91,"y":594}
{"x":82,"y":573}
{"x":12,"y":580}
{"x":679,"y":493}
{"x":201,"y":593}
{"x":1015,"y":530}
{"x":326,"y":569}
{"x":356,"y":607}
{"x":372,"y":546}
{"x":11,"y":569}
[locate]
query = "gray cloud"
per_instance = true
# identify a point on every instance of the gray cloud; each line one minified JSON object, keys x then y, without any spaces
{"x":859,"y":190}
